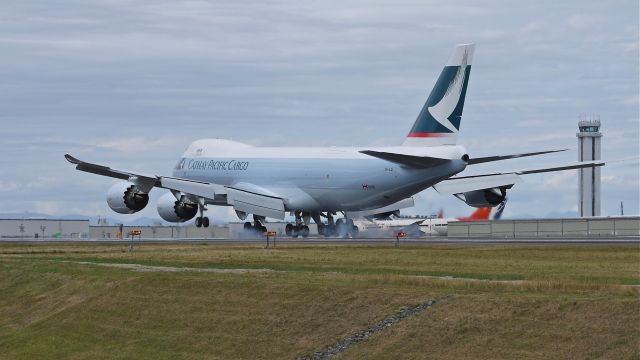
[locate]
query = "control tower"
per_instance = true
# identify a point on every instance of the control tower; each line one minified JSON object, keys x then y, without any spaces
{"x":589,"y":139}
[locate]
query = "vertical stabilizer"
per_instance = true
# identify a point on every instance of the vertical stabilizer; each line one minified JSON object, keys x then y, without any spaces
{"x":439,"y":120}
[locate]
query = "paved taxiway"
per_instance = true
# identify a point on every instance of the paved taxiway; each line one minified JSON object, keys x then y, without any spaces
{"x":336,"y":241}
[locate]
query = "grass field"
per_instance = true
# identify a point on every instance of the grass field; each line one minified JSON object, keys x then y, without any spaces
{"x":246,"y":302}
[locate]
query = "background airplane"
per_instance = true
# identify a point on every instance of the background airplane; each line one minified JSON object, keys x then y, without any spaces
{"x":317,"y":183}
{"x":425,"y":226}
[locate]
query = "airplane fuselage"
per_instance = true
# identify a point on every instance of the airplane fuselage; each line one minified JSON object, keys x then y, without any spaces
{"x":316,"y":179}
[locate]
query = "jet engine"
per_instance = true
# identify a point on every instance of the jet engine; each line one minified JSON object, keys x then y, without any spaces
{"x":386,"y":215}
{"x":484,"y":198}
{"x":176,"y":210}
{"x":126,"y":198}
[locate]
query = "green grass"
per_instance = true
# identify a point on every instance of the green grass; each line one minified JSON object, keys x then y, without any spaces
{"x":511,"y":301}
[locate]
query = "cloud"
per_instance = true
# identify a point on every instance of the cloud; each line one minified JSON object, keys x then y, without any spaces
{"x":133,"y":144}
{"x":583,"y":21}
{"x":131,"y":83}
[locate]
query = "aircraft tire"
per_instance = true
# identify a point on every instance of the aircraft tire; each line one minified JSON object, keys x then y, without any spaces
{"x":354,"y":231}
{"x":304,"y":231}
{"x":205,"y":222}
{"x":198,"y":222}
{"x":288,"y":229}
{"x":341,"y":228}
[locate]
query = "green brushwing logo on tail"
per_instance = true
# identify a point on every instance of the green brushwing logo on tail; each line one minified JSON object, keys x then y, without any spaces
{"x":441,"y":114}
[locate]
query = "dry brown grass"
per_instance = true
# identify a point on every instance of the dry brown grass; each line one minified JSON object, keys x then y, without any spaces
{"x":53,"y":307}
{"x":514,"y":327}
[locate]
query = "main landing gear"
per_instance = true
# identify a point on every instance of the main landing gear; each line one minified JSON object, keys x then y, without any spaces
{"x":300,"y":228}
{"x":340,"y":228}
{"x":202,"y":221}
{"x":258,"y":224}
{"x":343,"y":228}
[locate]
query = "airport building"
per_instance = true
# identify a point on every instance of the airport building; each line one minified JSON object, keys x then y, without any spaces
{"x":44,"y":229}
{"x":114,"y":232}
{"x":605,"y":227}
{"x":589,"y":139}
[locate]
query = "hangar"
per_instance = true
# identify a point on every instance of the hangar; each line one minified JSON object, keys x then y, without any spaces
{"x":546,"y":228}
{"x":44,"y":228}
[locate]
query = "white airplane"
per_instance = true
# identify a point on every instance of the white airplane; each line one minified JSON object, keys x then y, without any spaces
{"x":315,"y":182}
{"x":417,"y":227}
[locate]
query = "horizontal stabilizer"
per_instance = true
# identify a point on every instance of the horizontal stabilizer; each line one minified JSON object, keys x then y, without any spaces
{"x":407,"y":160}
{"x":481,"y":160}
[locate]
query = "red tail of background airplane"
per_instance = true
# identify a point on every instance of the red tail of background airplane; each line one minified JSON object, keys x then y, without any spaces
{"x":485,"y":213}
{"x":479,"y":214}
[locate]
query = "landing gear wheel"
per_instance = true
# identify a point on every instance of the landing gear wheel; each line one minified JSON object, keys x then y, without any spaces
{"x":205,"y":222}
{"x":354,"y":231}
{"x":329,"y":230}
{"x":304,"y":231}
{"x":321,"y":229}
{"x":288,"y":230}
{"x":248,"y":226}
{"x":198,"y":222}
{"x":341,"y":228}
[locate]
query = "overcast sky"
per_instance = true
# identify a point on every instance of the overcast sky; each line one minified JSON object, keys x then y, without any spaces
{"x":131,"y":83}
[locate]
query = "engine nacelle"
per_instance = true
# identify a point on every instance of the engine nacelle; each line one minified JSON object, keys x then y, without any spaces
{"x":484,"y":198}
{"x":173,"y":210}
{"x":386,"y":215}
{"x":126,"y":198}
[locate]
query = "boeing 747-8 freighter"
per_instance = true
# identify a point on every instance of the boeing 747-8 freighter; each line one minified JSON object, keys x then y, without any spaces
{"x":315,"y":182}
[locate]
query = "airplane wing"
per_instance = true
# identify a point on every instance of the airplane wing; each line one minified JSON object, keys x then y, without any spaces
{"x":104,"y":170}
{"x":198,"y":188}
{"x":461,"y":184}
{"x":253,"y":200}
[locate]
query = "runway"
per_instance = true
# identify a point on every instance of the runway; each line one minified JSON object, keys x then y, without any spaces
{"x":338,"y":241}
